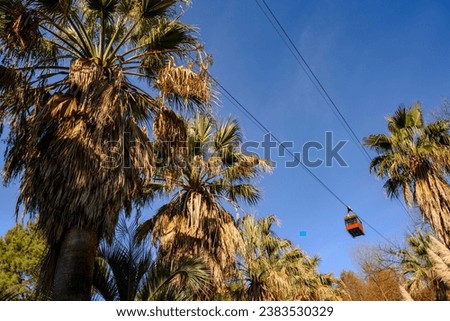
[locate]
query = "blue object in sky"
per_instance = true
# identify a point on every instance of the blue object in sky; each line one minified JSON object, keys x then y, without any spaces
{"x":302,"y":233}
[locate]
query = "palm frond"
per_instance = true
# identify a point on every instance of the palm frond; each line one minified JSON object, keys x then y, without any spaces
{"x":153,"y":8}
{"x":103,"y":8}
{"x":414,"y":157}
{"x":78,"y":119}
{"x":184,"y":83}
{"x":381,"y":143}
{"x":55,"y":8}
{"x":182,"y":281}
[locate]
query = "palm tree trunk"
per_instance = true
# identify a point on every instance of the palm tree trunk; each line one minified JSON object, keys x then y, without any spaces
{"x":441,"y":291}
{"x":75,"y":266}
{"x":433,"y":197}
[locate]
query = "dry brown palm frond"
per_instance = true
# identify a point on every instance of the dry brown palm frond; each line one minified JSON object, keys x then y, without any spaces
{"x":407,"y":194}
{"x":84,"y":72}
{"x":203,"y":232}
{"x":170,"y":134}
{"x":23,"y":31}
{"x":184,"y":82}
{"x":169,"y":127}
{"x":91,"y":157}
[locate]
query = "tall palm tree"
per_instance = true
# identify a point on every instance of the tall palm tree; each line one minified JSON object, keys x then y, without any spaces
{"x":73,"y":98}
{"x":210,"y":175}
{"x":272,"y":268}
{"x":126,"y":271}
{"x":415,"y":158}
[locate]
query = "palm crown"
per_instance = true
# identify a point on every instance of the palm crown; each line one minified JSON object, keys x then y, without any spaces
{"x":212,"y":174}
{"x":414,"y":157}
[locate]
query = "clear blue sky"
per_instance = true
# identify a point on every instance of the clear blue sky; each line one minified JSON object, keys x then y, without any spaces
{"x":370,"y":56}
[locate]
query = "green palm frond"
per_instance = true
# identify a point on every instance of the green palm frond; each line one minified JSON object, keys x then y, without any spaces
{"x":381,"y":143}
{"x":201,"y":183}
{"x":153,"y":8}
{"x":125,"y":270}
{"x":228,"y":134}
{"x":78,"y":117}
{"x":103,"y":8}
{"x":436,"y":133}
{"x":245,"y":192}
{"x":55,"y":8}
{"x":272,"y":268}
{"x":180,"y":282}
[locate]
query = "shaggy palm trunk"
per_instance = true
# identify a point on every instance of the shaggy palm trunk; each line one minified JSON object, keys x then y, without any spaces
{"x":441,"y":291}
{"x":433,"y":197}
{"x":75,"y":266}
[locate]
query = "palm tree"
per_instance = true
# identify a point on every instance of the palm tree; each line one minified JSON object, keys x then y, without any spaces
{"x":415,"y":158}
{"x":211,"y":174}
{"x":272,"y":268}
{"x":126,"y":271}
{"x":420,"y":269}
{"x":70,"y":96}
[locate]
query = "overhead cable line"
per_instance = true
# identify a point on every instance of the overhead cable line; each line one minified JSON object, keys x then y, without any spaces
{"x":255,"y":120}
{"x":270,"y":15}
{"x":281,"y":31}
{"x":267,"y":131}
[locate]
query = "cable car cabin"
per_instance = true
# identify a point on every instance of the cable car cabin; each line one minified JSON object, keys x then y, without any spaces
{"x":353,"y":225}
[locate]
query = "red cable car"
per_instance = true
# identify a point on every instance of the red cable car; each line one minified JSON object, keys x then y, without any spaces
{"x":353,"y":224}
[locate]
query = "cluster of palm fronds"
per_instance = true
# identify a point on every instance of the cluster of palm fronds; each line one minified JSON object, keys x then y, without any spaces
{"x":415,"y":159}
{"x":272,"y":268}
{"x":425,"y":264}
{"x":127,"y":270}
{"x":211,"y":173}
{"x":179,"y":81}
{"x":77,"y":119}
{"x":79,"y":142}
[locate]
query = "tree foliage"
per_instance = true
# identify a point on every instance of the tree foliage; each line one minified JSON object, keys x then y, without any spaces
{"x":209,"y":175}
{"x":21,"y":251}
{"x":80,"y":81}
{"x":415,"y":159}
{"x":425,"y":264}
{"x":127,"y":270}
{"x":379,"y":279}
{"x":272,"y":268}
{"x":380,"y":284}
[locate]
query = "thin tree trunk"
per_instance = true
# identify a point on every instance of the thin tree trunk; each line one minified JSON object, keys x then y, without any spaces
{"x":75,"y":266}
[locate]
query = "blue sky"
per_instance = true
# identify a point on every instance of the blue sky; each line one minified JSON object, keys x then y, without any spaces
{"x":370,"y":56}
